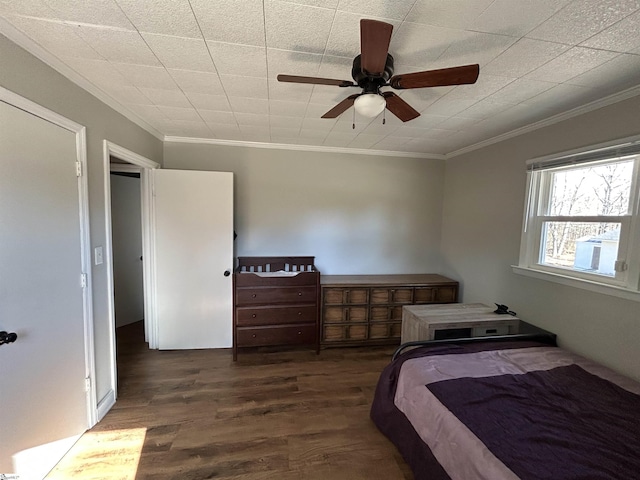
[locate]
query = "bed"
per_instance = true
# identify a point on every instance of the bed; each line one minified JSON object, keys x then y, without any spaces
{"x":508,"y":409}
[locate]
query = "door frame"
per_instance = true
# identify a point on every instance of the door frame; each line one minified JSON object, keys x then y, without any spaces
{"x":143,"y":165}
{"x":85,"y":276}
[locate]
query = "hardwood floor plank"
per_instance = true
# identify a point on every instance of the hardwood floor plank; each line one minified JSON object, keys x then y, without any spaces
{"x":275,"y":414}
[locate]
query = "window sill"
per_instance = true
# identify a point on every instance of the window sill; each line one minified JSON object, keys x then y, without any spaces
{"x":578,"y":283}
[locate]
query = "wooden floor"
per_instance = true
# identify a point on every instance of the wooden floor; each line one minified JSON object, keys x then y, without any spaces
{"x":192,"y":415}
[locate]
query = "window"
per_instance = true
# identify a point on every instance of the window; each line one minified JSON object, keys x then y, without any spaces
{"x":581,"y":218}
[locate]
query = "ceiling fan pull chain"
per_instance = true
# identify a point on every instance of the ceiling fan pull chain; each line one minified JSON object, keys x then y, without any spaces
{"x":353,"y":125}
{"x":384,"y":116}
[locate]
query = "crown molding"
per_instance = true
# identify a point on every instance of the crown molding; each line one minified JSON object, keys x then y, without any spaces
{"x":303,"y":148}
{"x":560,"y":117}
{"x":20,"y":39}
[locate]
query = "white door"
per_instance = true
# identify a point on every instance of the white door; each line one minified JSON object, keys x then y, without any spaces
{"x":43,"y":400}
{"x":193,"y":251}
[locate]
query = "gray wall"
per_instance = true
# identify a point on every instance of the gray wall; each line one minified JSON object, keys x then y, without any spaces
{"x":356,"y":214}
{"x":483,"y":209}
{"x":126,"y":234}
{"x":25,"y":75}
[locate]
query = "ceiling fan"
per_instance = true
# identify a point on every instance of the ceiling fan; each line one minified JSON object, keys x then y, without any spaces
{"x":373,"y":69}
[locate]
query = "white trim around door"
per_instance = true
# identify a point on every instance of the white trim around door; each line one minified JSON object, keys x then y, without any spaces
{"x":141,"y":164}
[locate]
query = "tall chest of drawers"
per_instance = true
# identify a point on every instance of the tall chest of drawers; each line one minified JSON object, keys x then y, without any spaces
{"x":276,"y":302}
{"x":367,"y":309}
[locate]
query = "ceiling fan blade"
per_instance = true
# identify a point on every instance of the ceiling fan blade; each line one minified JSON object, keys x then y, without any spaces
{"x":437,"y":78}
{"x":375,"y":37}
{"x":399,"y":107}
{"x":315,"y":80}
{"x":341,"y":107}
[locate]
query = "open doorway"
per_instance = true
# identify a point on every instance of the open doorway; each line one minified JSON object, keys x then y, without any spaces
{"x":128,"y":217}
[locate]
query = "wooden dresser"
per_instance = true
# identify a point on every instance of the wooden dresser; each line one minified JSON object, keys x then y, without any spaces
{"x":367,"y":309}
{"x":276,"y":302}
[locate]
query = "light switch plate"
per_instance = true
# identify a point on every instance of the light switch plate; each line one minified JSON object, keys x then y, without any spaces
{"x":97,"y":256}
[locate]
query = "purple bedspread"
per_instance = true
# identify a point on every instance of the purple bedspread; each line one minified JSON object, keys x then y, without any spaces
{"x":563,"y":423}
{"x":558,"y":423}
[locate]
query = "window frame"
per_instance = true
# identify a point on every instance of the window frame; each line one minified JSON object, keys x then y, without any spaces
{"x":540,"y":171}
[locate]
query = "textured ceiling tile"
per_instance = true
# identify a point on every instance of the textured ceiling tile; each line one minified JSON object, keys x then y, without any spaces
{"x":397,"y":9}
{"x":168,"y":17}
{"x":520,"y":90}
{"x":316,"y":110}
{"x":319,"y":124}
{"x":382,"y":130}
{"x":427,"y":121}
{"x":523,"y":57}
{"x":474,"y":47}
{"x":252,"y":119}
{"x":197,"y":82}
{"x":188,"y":129}
{"x":452,"y":13}
{"x":297,"y":27}
{"x":225,"y":131}
{"x":485,"y":86}
{"x":423,"y":44}
{"x":252,"y":133}
{"x":150,"y":113}
{"x":618,"y":74}
{"x":167,"y":98}
{"x":181,"y":53}
{"x":34,"y":8}
{"x":289,"y":62}
{"x":582,"y":19}
{"x":364,"y":140}
{"x":338,"y":68}
{"x":209,"y":102}
{"x":457,"y":123}
{"x":249,"y":105}
{"x":180,"y":114}
{"x":281,"y":132}
{"x":338,"y":139}
{"x":515,"y":17}
{"x":623,"y":36}
{"x":485,"y":108}
{"x":118,"y":45}
{"x":574,"y":62}
{"x":410,"y":130}
{"x":231,"y":21}
{"x":126,"y":94}
{"x":99,"y":72}
{"x":290,"y":109}
{"x":95,"y":12}
{"x":560,"y":97}
{"x":294,"y":92}
{"x":60,"y":39}
{"x":146,"y":75}
{"x":253,"y":87}
{"x":312,"y":133}
{"x":217,"y":117}
{"x":285,"y":121}
{"x":421,"y":98}
{"x":245,"y":60}
{"x":448,"y":108}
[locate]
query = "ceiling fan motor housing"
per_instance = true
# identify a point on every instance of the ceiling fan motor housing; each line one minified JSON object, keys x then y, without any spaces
{"x":370,"y":83}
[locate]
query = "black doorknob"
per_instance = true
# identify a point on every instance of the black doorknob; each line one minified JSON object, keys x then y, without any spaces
{"x":6,"y":337}
{"x":227,"y":273}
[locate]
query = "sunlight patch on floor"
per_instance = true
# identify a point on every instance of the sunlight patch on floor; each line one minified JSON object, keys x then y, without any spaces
{"x":103,"y":455}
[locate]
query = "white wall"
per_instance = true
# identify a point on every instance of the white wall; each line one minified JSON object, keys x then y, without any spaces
{"x":126,"y":235}
{"x":482,"y":220}
{"x":357,"y":214}
{"x":25,"y":75}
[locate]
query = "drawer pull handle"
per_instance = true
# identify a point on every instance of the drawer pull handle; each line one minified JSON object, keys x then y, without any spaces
{"x":253,"y":316}
{"x":253,"y":296}
{"x":299,"y":333}
{"x":299,"y":294}
{"x":299,"y":313}
{"x":254,"y":335}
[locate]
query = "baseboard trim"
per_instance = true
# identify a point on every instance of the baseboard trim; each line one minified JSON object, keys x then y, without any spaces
{"x":107,"y":402}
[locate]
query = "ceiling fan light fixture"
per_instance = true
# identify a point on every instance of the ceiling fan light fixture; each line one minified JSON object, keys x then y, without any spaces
{"x":370,"y":104}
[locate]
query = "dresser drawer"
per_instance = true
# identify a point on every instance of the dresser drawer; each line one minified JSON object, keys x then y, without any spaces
{"x":273,"y":295}
{"x":285,"y":335}
{"x":248,"y":317}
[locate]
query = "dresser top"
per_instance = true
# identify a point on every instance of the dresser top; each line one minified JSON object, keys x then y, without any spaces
{"x":416,"y":279}
{"x":456,"y":313}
